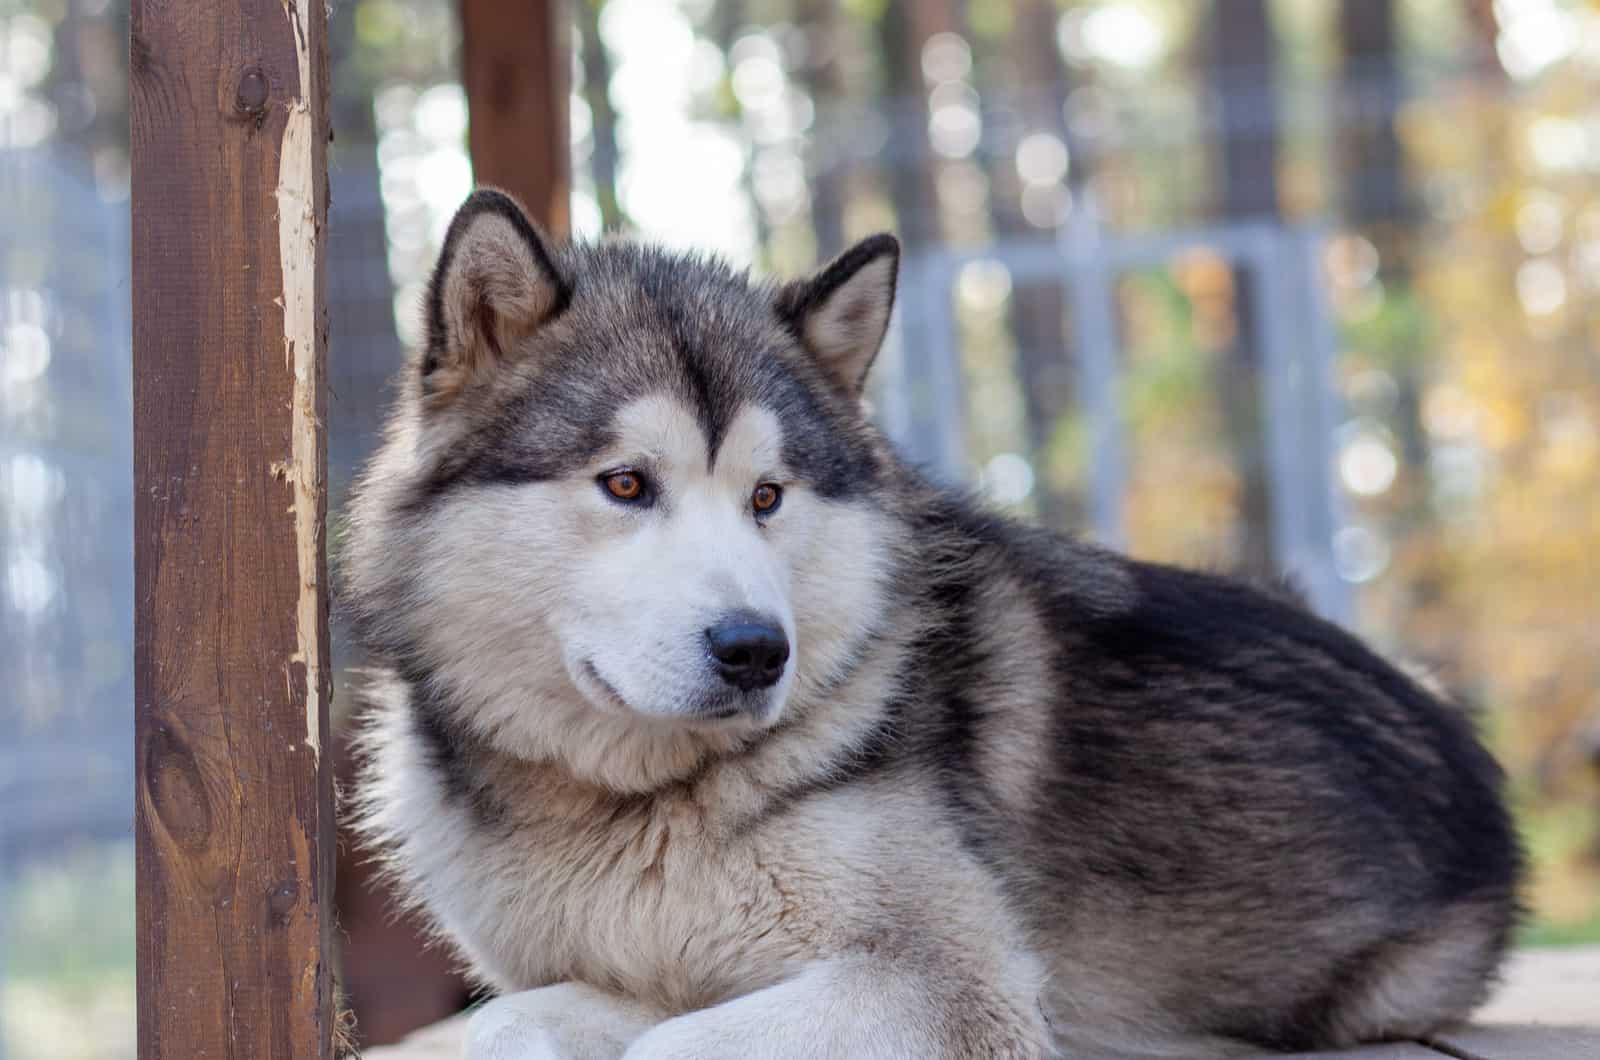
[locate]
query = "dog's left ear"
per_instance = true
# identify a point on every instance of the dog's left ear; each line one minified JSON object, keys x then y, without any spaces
{"x":842,"y":312}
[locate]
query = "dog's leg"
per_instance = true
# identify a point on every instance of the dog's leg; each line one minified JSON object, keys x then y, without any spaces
{"x":856,"y":1010}
{"x":568,"y":1021}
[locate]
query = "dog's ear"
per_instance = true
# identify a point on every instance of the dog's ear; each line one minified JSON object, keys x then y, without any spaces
{"x":495,"y":283}
{"x":842,"y":312}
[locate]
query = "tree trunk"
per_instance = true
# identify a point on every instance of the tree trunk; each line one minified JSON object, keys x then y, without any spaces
{"x":727,"y":16}
{"x":87,"y":65}
{"x":1038,"y":83}
{"x":819,"y":75}
{"x":1376,"y":195}
{"x":389,"y":978}
{"x":1241,"y":79}
{"x":597,"y":93}
{"x":903,"y":31}
{"x":1485,"y":32}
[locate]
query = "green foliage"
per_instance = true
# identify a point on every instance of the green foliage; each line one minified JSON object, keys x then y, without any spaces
{"x":1562,"y":933}
{"x":865,"y":10}
{"x":1396,"y":331}
{"x":990,"y":18}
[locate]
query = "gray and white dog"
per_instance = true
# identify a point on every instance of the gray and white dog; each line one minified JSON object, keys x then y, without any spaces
{"x":711,"y":729}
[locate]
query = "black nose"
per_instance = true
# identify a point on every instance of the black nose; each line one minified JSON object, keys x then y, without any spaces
{"x":750,"y":650}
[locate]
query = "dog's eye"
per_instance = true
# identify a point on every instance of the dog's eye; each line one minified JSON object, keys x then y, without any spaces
{"x":766,"y":498}
{"x":624,"y":485}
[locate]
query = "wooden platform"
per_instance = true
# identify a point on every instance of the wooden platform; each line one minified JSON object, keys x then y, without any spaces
{"x":1548,"y":1009}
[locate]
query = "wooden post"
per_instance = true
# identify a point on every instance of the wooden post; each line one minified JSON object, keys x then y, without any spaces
{"x":234,"y":815}
{"x":516,"y":67}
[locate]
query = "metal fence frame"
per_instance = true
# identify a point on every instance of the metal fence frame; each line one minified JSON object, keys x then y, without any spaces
{"x":922,"y":396}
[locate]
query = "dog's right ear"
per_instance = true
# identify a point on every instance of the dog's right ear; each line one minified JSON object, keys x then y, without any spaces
{"x":495,"y":283}
{"x":842,"y":312}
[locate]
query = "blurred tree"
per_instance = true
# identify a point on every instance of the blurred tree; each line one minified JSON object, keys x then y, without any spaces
{"x":818,"y":74}
{"x":391,"y":982}
{"x":353,"y":85}
{"x":904,"y":30}
{"x":1377,"y":202}
{"x":596,"y":91}
{"x":727,"y":19}
{"x":1369,"y":152}
{"x":1240,"y":56}
{"x":1484,"y":33}
{"x":1034,"y":81}
{"x":87,"y":80}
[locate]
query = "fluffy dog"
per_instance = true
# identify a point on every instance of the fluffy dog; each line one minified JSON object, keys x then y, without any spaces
{"x":712,"y":729}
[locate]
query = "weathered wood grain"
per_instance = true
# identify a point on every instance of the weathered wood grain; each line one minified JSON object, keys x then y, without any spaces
{"x":516,"y":68}
{"x":234,"y":814}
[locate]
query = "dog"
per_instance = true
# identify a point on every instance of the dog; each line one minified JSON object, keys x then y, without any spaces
{"x":708,"y":727}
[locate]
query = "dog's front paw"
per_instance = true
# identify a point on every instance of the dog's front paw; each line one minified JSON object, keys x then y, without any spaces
{"x":693,"y":1037}
{"x":663,"y":1044}
{"x":504,"y":1030}
{"x":568,"y":1021}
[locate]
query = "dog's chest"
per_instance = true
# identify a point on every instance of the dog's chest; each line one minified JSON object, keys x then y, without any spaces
{"x":641,"y":901}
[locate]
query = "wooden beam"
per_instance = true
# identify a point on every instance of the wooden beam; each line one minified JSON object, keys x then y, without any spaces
{"x":234,"y":815}
{"x":516,"y":68}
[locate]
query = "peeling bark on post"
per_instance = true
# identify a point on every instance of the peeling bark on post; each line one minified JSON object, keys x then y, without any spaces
{"x":234,"y":815}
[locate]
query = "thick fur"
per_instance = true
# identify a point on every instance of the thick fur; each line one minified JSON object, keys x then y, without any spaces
{"x":1013,"y":796}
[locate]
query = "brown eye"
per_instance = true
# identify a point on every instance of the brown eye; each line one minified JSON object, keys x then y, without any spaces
{"x":624,"y":485}
{"x":766,"y":498}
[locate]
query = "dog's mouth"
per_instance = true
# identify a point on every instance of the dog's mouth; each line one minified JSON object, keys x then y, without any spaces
{"x":716,"y":711}
{"x":606,"y":689}
{"x":744,"y":709}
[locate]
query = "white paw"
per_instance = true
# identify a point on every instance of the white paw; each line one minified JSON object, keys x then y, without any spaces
{"x":504,"y":1030}
{"x":663,"y":1044}
{"x":567,"y":1021}
{"x":691,"y":1037}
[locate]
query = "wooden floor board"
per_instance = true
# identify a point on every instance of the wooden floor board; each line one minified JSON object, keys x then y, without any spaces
{"x":1547,"y":1009}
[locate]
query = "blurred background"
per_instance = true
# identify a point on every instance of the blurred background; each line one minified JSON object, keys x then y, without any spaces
{"x":1265,"y":285}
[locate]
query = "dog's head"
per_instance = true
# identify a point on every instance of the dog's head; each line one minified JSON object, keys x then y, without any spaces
{"x":631,"y":482}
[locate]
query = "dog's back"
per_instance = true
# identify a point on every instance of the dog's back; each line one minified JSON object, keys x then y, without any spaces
{"x":1204,"y":796}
